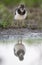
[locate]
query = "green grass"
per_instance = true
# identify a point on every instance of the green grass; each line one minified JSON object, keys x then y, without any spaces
{"x":6,"y":18}
{"x":33,"y":41}
{"x":10,"y":2}
{"x":29,"y":3}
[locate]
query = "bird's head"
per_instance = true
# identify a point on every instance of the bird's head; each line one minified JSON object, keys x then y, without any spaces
{"x":22,"y":7}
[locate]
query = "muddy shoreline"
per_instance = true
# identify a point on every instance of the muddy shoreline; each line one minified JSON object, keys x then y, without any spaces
{"x":16,"y":31}
{"x":8,"y":34}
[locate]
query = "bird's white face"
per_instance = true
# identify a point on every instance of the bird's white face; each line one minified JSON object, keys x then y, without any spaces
{"x":22,"y":9}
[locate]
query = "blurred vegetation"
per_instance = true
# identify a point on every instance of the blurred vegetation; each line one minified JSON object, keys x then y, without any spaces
{"x":34,"y":15}
{"x":10,"y":3}
{"x":29,"y":3}
{"x":31,"y":41}
{"x":5,"y":17}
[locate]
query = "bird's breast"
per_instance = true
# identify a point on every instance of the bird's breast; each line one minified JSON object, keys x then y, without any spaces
{"x":20,"y":17}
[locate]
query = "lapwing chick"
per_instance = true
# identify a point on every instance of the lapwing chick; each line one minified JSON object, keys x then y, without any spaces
{"x":20,"y":13}
{"x":19,"y":51}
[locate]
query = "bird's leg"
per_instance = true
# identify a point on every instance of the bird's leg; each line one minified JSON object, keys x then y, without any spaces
{"x":18,"y":24}
{"x":21,"y":23}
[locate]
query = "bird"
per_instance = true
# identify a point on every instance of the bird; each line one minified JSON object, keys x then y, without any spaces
{"x":20,"y":12}
{"x":19,"y":51}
